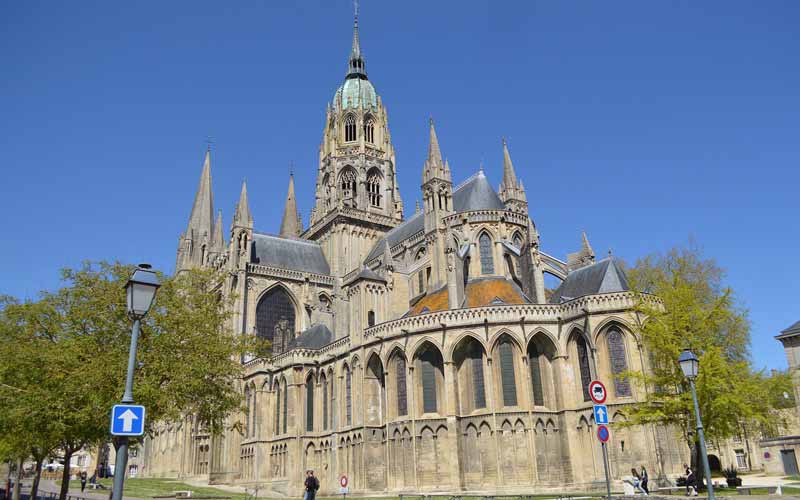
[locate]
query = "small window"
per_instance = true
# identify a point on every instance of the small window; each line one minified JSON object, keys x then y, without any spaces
{"x":310,"y":404}
{"x":371,"y":318}
{"x":348,"y":397}
{"x":350,"y":128}
{"x":402,"y":398}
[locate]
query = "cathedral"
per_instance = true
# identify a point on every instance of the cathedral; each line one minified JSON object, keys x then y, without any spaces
{"x":412,"y":354}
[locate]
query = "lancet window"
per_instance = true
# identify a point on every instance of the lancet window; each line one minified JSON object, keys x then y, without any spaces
{"x":374,"y":187}
{"x":487,"y":259}
{"x":619,"y":364}
{"x":350,"y":128}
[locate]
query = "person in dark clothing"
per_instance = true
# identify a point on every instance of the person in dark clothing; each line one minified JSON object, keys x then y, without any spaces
{"x":83,"y":480}
{"x":312,"y":485}
{"x":691,"y":488}
{"x":644,"y":477}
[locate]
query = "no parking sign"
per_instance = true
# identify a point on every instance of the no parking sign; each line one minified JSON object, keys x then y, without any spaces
{"x":343,"y":484}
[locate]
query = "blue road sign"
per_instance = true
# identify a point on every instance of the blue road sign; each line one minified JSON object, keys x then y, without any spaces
{"x":600,"y":414}
{"x":127,"y":420}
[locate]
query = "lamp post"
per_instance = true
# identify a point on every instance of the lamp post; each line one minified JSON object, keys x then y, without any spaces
{"x":690,"y":366}
{"x":140,"y":290}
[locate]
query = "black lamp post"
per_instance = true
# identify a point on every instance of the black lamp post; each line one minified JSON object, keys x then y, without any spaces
{"x":690,"y":366}
{"x":141,"y":290}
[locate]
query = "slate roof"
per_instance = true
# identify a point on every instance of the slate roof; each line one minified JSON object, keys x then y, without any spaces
{"x":604,"y":276}
{"x":475,"y":193}
{"x":792,"y":331}
{"x":315,"y":337}
{"x":368,"y":274}
{"x":285,"y":253}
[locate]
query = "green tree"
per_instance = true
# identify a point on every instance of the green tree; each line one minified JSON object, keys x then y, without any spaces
{"x":683,"y":304}
{"x":63,"y":358}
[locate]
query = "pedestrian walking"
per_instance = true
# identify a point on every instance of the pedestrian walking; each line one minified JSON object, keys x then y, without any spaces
{"x":637,"y":481}
{"x":312,"y":485}
{"x":83,"y":480}
{"x":645,"y":479}
{"x":691,"y":488}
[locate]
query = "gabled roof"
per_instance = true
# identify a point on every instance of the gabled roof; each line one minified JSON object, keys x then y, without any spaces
{"x":475,"y":193}
{"x":604,"y":276}
{"x":792,"y":331}
{"x":316,"y":337}
{"x":292,"y":254}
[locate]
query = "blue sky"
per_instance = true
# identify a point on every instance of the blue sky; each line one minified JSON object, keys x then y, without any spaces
{"x":643,"y":123}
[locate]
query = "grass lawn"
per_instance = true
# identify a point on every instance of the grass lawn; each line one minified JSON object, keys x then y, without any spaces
{"x":150,"y":487}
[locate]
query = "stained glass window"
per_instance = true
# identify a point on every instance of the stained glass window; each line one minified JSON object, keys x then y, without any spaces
{"x":478,"y":383}
{"x":619,"y":364}
{"x":402,"y":396}
{"x":430,"y":362}
{"x":536,"y":376}
{"x":275,"y":319}
{"x":277,"y":410}
{"x":348,"y":396}
{"x":487,"y":260}
{"x":310,"y":404}
{"x":507,"y":373}
{"x":583,"y":365}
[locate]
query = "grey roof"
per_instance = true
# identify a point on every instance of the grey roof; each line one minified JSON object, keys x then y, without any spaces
{"x":475,"y":193}
{"x":285,"y":253}
{"x":316,"y":337}
{"x":792,"y":331}
{"x":368,"y":274}
{"x":604,"y":276}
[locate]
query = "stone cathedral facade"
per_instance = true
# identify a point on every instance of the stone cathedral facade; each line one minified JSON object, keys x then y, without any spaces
{"x":412,"y":354}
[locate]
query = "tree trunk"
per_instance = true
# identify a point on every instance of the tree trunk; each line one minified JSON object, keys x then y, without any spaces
{"x":65,"y":476}
{"x":37,"y":476}
{"x":18,"y":481}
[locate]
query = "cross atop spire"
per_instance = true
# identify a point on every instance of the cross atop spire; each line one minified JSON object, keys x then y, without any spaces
{"x":356,"y":67}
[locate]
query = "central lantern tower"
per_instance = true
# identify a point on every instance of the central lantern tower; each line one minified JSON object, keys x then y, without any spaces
{"x":357,"y":197}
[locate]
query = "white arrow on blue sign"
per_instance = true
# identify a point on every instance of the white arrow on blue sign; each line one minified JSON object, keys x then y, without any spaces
{"x":600,"y":414}
{"x":127,"y":420}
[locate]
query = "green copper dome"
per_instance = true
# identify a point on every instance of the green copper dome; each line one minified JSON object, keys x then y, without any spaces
{"x":356,"y":93}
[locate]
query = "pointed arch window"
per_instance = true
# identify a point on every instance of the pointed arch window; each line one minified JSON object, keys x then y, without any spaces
{"x":350,"y":128}
{"x":507,"y":377}
{"x":310,"y":404}
{"x":518,"y":241}
{"x":487,"y":259}
{"x":348,"y":397}
{"x":374,"y":179}
{"x":430,"y":363}
{"x":324,"y":403}
{"x":248,"y":402}
{"x":285,"y":407}
{"x":277,"y":426}
{"x":583,"y":365}
{"x":369,"y":130}
{"x":619,"y":363}
{"x":402,"y":395}
{"x":347,"y":184}
{"x":275,"y":319}
{"x":536,"y":375}
{"x":478,"y":381}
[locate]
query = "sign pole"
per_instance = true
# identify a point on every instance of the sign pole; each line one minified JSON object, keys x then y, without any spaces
{"x":605,"y":465}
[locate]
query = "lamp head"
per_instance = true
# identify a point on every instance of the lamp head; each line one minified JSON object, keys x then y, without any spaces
{"x":141,"y":290}
{"x":690,"y":365}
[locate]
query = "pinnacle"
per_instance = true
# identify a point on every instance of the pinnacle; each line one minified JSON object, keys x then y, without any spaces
{"x":291,"y":225}
{"x":434,"y":153}
{"x":509,"y":176}
{"x":242,"y":216}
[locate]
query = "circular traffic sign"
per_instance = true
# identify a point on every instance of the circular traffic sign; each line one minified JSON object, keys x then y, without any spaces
{"x":597,"y":391}
{"x":343,"y":481}
{"x":603,"y":433}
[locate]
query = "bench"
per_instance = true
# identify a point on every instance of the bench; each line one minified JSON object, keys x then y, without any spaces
{"x":669,"y":490}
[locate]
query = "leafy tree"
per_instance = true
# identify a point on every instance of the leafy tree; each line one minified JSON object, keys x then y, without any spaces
{"x":63,"y":358}
{"x":683,"y":304}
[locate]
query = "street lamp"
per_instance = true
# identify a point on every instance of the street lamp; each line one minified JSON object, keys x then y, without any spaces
{"x":140,"y":291}
{"x":690,"y":366}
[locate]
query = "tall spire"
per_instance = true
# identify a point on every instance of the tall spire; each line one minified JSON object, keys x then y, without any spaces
{"x":242,"y":215}
{"x":356,"y":67}
{"x":434,"y":153}
{"x":202,"y":217}
{"x":509,"y":176}
{"x":291,"y":225}
{"x":218,"y":243}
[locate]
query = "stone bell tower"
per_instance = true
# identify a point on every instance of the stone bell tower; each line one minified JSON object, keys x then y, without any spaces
{"x":357,"y":198}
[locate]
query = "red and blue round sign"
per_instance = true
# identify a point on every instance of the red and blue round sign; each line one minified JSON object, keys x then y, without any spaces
{"x":343,"y":481}
{"x":603,"y":434}
{"x":597,"y":391}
